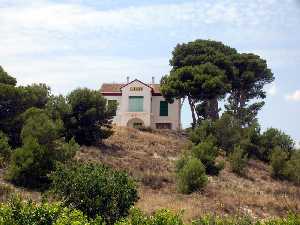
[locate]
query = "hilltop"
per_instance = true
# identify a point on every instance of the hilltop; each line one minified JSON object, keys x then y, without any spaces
{"x":149,"y":157}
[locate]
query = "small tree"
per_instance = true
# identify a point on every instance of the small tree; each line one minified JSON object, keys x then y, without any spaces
{"x":272,"y":138}
{"x":278,"y":162}
{"x":292,"y":170}
{"x":90,"y":118}
{"x":191,"y":177}
{"x":42,"y":148}
{"x":95,"y":190}
{"x":238,"y":161}
{"x":207,"y":153}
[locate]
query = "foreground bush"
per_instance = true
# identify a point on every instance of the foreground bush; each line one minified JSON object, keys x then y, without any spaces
{"x":214,"y":220}
{"x":161,"y":217}
{"x":95,"y":190}
{"x":17,"y":212}
{"x":42,"y":149}
{"x":207,"y":153}
{"x":238,"y":161}
{"x":190,"y":175}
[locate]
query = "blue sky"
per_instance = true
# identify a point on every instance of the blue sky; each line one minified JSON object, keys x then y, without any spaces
{"x":83,"y":43}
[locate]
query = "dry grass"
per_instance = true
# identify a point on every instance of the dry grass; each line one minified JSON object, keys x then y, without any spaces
{"x":149,"y":157}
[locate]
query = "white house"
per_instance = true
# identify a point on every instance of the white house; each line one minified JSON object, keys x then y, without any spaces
{"x":141,"y":104}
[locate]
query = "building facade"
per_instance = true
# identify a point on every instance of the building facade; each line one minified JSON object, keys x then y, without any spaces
{"x":141,"y":104}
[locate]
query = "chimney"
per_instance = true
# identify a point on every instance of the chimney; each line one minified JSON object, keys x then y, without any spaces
{"x":127,"y":78}
{"x":153,"y":80}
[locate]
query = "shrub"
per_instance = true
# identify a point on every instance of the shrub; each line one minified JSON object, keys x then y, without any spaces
{"x":90,"y":117}
{"x":238,"y":161}
{"x":207,"y":153}
{"x":94,"y":189}
{"x":278,"y":162}
{"x":42,"y":149}
{"x":161,"y":217}
{"x":5,"y":150}
{"x":191,"y":177}
{"x":272,"y":138}
{"x":18,"y":212}
{"x":292,"y":170}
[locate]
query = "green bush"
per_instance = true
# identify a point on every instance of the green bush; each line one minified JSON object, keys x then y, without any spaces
{"x":278,"y":162}
{"x":225,"y":132}
{"x":272,"y":138}
{"x":95,"y":190}
{"x":245,"y":220}
{"x":160,"y":217}
{"x":191,"y":176}
{"x":292,"y":170}
{"x":90,"y":118}
{"x":238,"y":161}
{"x":42,"y":149}
{"x":18,"y":212}
{"x":207,"y":153}
{"x":5,"y":150}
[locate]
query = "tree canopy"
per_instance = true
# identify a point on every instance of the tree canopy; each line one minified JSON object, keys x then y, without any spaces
{"x":206,"y":71}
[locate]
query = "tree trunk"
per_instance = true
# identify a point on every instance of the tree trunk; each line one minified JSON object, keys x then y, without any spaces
{"x":213,"y":109}
{"x":192,"y":106}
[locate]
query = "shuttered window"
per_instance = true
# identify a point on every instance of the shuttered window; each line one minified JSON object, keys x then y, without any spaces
{"x":164,"y":109}
{"x":136,"y":103}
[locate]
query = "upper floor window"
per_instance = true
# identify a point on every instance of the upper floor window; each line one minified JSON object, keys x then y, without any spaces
{"x":164,"y":108}
{"x":136,"y":103}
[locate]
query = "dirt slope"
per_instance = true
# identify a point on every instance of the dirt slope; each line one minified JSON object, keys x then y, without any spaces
{"x":149,"y":158}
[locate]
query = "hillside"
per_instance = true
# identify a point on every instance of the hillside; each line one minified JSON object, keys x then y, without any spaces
{"x":149,"y":157}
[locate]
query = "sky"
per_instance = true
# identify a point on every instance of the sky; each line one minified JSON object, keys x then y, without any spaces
{"x":84,"y":43}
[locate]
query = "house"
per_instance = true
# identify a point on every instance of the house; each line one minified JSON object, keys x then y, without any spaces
{"x":141,"y":104}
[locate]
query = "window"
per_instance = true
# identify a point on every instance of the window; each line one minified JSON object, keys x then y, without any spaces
{"x":164,"y":126}
{"x":136,"y":103}
{"x":164,"y":109}
{"x":111,"y":103}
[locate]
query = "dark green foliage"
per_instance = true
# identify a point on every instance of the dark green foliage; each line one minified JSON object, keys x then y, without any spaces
{"x":5,"y":150}
{"x":199,"y":73}
{"x":42,"y":148}
{"x":5,"y":78}
{"x":95,"y":190}
{"x":272,"y":138}
{"x":16,"y":100}
{"x":57,"y":107}
{"x":225,"y":131}
{"x":238,"y":161}
{"x":207,"y":153}
{"x":247,"y":83}
{"x":90,"y":118}
{"x":292,"y":169}
{"x":18,"y":212}
{"x":278,"y":162}
{"x":190,"y":175}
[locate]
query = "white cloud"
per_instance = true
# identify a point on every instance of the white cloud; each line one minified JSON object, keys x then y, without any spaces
{"x":295,"y":96}
{"x":66,"y":73}
{"x":272,"y":89}
{"x":38,"y":26}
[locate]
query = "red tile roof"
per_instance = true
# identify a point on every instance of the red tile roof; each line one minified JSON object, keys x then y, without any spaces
{"x":116,"y":88}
